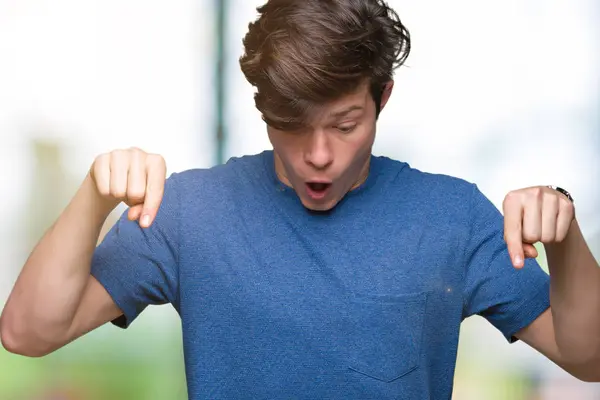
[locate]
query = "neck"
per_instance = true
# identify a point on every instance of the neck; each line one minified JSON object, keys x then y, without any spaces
{"x":280,"y":171}
{"x":364,"y":174}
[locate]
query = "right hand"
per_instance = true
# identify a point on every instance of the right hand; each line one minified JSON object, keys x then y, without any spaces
{"x":134,"y":177}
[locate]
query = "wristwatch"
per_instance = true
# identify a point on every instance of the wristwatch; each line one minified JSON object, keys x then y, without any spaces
{"x":563,"y":191}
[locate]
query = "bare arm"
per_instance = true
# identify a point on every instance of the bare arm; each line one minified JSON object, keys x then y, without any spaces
{"x":575,"y":297}
{"x":55,"y":299}
{"x":47,"y":294}
{"x":568,"y":333}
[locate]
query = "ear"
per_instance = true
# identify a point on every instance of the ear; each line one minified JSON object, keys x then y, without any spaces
{"x":387,"y":92}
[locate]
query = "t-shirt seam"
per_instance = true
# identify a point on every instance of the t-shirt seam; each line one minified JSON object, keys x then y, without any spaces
{"x":524,"y":315}
{"x":118,"y":292}
{"x":178,"y":236}
{"x":464,"y":255}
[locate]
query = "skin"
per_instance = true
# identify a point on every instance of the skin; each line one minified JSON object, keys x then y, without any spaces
{"x":55,"y":300}
{"x":335,"y":146}
{"x":569,"y":331}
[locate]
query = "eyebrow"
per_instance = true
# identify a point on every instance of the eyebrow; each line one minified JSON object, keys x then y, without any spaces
{"x":345,"y":111}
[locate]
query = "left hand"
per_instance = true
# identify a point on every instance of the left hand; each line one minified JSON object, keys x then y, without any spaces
{"x":535,"y":214}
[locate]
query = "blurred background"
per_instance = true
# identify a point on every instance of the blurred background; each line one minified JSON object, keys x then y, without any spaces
{"x":502,"y":93}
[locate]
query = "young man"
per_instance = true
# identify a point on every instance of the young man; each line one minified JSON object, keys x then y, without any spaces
{"x":315,"y":270}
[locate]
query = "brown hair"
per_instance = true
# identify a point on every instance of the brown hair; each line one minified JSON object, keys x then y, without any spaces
{"x":304,"y":53}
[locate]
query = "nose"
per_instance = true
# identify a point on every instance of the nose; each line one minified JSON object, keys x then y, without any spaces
{"x":319,"y":153}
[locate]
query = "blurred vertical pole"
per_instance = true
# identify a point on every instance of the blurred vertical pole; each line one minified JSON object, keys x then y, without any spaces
{"x":221,"y":32}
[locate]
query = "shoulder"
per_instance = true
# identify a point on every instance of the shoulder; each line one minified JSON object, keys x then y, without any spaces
{"x":444,"y":200}
{"x":212,"y":187}
{"x":435,"y":189}
{"x":236,"y":171}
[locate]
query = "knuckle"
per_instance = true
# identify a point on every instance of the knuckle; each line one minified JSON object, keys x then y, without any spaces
{"x":117,"y":156}
{"x":137,"y":153}
{"x":566,"y":205}
{"x":103,"y":190}
{"x":560,"y":236}
{"x":117,"y":152}
{"x":512,"y":237}
{"x":136,"y":194}
{"x":536,"y":193}
{"x":118,"y":193}
{"x":155,"y":159}
{"x":548,"y":237}
{"x":156,"y":189}
{"x":531,"y":236}
{"x":137,"y":150}
{"x":101,"y":158}
{"x":513,"y":243}
{"x":511,"y":197}
{"x":101,"y":164}
{"x":554,"y":200}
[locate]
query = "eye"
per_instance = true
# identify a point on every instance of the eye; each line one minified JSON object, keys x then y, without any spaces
{"x":346,"y":128}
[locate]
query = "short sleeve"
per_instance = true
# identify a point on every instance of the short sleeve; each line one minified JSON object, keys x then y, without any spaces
{"x":139,"y":266}
{"x":509,"y":298}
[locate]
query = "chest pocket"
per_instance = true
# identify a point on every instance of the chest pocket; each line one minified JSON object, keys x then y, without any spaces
{"x":385,"y":342}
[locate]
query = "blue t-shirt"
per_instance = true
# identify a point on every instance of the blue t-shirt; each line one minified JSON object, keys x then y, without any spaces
{"x":361,"y":302}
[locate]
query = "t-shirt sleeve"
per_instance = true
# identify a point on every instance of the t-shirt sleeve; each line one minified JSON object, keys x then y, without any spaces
{"x":509,"y":298}
{"x":139,"y":266}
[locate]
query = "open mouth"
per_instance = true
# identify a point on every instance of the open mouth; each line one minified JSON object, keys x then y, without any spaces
{"x":317,"y":190}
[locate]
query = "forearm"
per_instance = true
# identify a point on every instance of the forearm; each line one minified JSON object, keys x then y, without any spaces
{"x":575,"y":296}
{"x":50,"y":286}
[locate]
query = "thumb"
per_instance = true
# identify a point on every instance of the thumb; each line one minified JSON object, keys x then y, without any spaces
{"x":530,"y":250}
{"x":135,"y":212}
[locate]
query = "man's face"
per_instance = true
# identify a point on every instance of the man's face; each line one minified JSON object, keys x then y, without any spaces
{"x":329,"y":157}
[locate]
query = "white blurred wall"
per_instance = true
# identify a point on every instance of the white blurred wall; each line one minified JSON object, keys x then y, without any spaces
{"x":95,"y":76}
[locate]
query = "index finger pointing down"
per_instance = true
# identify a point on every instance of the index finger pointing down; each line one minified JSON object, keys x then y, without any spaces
{"x":155,"y":185}
{"x":513,"y":231}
